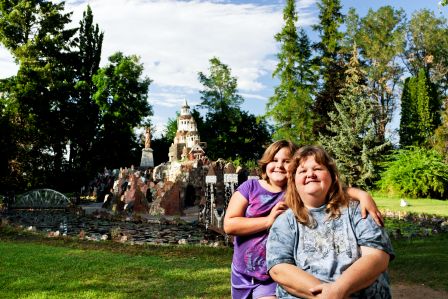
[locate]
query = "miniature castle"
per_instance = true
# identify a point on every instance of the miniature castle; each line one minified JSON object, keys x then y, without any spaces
{"x":187,"y":144}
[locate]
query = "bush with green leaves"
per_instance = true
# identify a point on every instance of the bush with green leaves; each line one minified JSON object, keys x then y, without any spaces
{"x":415,"y":172}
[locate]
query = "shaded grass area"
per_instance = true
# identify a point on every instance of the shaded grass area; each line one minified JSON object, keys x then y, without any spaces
{"x":421,"y":261}
{"x":419,"y":205}
{"x":36,"y":267}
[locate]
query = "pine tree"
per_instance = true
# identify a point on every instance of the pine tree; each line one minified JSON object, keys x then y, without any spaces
{"x":352,"y":142}
{"x":408,"y":113}
{"x":425,"y":124}
{"x":290,"y":106}
{"x":418,"y":121}
{"x":86,"y":115}
{"x":330,"y":61}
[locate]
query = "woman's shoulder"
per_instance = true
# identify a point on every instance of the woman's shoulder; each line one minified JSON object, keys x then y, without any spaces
{"x":353,"y":207}
{"x":286,"y":217}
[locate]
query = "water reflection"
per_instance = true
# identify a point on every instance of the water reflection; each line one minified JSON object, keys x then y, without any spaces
{"x":97,"y":227}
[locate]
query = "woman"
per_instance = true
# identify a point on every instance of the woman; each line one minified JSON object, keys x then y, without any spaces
{"x":321,"y":247}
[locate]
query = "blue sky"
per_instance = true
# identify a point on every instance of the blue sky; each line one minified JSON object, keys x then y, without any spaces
{"x":176,"y":39}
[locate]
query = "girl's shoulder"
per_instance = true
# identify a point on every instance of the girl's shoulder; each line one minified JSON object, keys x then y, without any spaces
{"x":258,"y":185}
{"x":268,"y":187}
{"x":250,"y":183}
{"x":248,"y":186}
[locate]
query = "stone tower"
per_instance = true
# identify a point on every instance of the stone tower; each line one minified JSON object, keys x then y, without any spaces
{"x":187,"y":143}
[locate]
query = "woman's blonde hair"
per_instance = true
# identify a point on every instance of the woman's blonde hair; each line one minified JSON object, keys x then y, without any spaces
{"x":336,"y":196}
{"x":271,"y":151}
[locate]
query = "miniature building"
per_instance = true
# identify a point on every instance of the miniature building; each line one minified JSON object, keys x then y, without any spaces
{"x":187,"y":144}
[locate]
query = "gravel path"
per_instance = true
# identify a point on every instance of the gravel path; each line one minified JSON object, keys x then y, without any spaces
{"x":416,"y":291}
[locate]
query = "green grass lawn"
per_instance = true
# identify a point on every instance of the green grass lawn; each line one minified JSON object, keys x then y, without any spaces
{"x":420,"y":205}
{"x":421,"y":261}
{"x":57,"y":268}
{"x":36,"y":267}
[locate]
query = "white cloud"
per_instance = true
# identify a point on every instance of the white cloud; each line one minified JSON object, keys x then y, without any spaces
{"x":176,"y":39}
{"x":254,"y":96}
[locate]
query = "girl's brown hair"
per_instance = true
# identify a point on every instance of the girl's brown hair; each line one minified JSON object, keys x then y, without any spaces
{"x":336,"y":197}
{"x":271,"y":151}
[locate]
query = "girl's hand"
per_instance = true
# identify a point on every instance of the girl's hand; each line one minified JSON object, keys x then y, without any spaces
{"x":368,"y":205}
{"x":278,"y":209}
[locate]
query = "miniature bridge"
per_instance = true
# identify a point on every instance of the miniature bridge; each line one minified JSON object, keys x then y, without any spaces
{"x":41,"y":199}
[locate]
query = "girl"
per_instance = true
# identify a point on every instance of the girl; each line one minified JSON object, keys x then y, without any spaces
{"x":251,"y":212}
{"x":321,"y":247}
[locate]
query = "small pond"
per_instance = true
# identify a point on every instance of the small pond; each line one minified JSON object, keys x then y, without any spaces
{"x":105,"y":226}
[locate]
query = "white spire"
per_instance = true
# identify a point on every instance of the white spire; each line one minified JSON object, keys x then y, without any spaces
{"x":185,"y":110}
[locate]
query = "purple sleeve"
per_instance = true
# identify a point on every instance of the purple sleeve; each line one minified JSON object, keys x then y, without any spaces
{"x":246,"y":188}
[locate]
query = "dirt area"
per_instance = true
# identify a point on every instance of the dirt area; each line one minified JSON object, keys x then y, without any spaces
{"x":416,"y":291}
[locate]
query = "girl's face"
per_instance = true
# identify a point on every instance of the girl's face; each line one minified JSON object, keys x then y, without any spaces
{"x":277,"y":169}
{"x":312,"y":181}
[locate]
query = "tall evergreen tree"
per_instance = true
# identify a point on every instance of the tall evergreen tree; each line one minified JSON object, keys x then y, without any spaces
{"x":352,"y":141}
{"x":418,"y":122}
{"x":290,"y":106}
{"x":408,"y":113}
{"x":86,"y":114}
{"x":330,"y":60}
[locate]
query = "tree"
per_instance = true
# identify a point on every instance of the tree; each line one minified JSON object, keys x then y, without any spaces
{"x":171,"y":127}
{"x":417,"y":122}
{"x":85,"y":112}
{"x":381,"y":41}
{"x":34,"y":32}
{"x":352,"y":141}
{"x":290,"y":106}
{"x":329,"y":60}
{"x":408,"y":113}
{"x":427,"y":41}
{"x":122,"y":100}
{"x":9,"y":149}
{"x":220,"y":88}
{"x":229,"y":132}
{"x":440,"y":140}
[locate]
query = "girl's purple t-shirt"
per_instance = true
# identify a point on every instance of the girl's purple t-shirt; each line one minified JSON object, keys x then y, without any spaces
{"x":249,"y":255}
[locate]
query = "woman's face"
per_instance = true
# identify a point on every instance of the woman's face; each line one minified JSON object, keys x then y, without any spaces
{"x":312,"y":181}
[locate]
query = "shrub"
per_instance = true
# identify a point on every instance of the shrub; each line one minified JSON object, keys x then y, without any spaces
{"x":415,"y":172}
